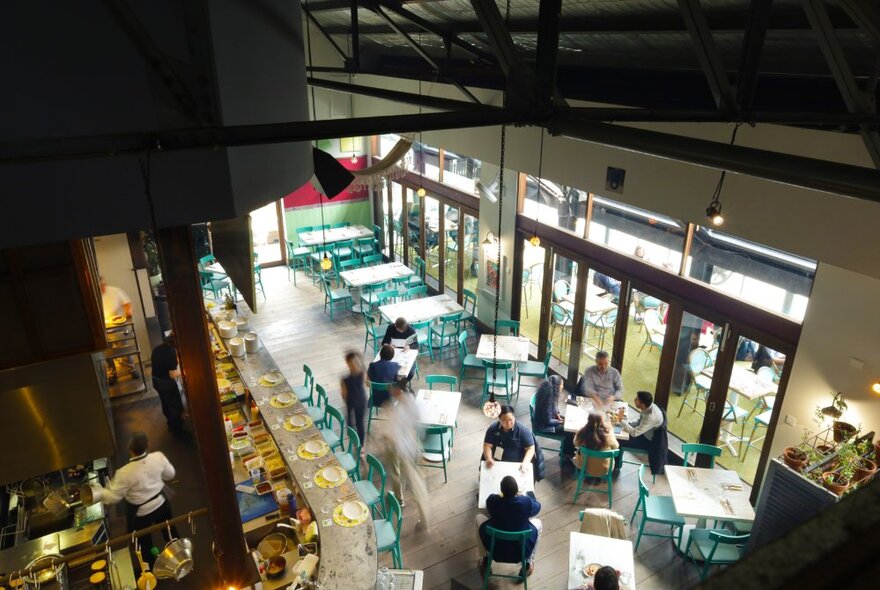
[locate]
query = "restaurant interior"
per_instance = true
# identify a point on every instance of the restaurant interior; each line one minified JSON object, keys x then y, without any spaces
{"x":262,"y":190}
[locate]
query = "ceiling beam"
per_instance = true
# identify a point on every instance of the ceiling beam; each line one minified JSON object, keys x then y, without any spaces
{"x":547,"y":53}
{"x":325,"y":34}
{"x":753,"y":46}
{"x":421,"y":100}
{"x":810,"y":173}
{"x":855,"y":99}
{"x":355,"y":36}
{"x":707,"y":53}
{"x":519,"y":79}
{"x":866,"y":14}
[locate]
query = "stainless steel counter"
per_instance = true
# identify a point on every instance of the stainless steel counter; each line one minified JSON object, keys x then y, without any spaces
{"x":348,"y":556}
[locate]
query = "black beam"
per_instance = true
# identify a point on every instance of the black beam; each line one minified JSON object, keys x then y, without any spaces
{"x":429,"y":27}
{"x":430,"y":102}
{"x":519,"y":79}
{"x":326,"y":35}
{"x":707,"y":53}
{"x":866,"y":14}
{"x":753,"y":46}
{"x":108,"y":146}
{"x":547,"y":52}
{"x":810,"y":173}
{"x":629,"y":115}
{"x":355,"y":36}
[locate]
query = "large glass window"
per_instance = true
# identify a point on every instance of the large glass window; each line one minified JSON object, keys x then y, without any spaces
{"x":471,"y":254}
{"x":425,"y":160}
{"x":562,"y":308}
{"x":397,"y":197}
{"x":554,"y":204}
{"x":450,"y":249}
{"x":645,"y":330}
{"x":654,"y":238}
{"x":760,"y":275}
{"x":432,"y":241}
{"x":530,"y":301}
{"x":461,"y":172}
{"x":600,"y":315}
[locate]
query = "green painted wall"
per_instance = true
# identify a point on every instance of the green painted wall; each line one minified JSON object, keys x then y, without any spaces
{"x":357,"y":212}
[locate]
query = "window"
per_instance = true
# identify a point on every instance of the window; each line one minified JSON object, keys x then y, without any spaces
{"x":656,"y":239}
{"x":759,"y":275}
{"x":556,"y":205}
{"x":432,"y":241}
{"x":461,"y":172}
{"x":471,"y":254}
{"x":530,"y":301}
{"x":450,"y":249}
{"x":425,"y":160}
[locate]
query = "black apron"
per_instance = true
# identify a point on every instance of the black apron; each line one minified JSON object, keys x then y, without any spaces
{"x":132,"y":508}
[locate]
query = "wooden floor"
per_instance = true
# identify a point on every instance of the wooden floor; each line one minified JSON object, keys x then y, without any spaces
{"x":293,"y":327}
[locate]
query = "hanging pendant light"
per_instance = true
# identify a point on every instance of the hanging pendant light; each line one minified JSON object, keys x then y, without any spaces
{"x":535,"y":241}
{"x":713,"y":211}
{"x":421,"y":192}
{"x":326,"y":263}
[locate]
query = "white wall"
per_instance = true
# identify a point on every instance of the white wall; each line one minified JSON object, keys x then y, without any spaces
{"x":842,"y":323}
{"x":114,"y":264}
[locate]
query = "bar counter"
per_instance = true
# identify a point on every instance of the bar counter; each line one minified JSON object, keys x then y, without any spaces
{"x":348,"y":556}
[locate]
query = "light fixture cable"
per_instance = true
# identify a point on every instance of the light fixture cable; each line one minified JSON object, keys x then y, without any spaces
{"x":713,"y":211}
{"x":326,"y":263}
{"x":535,"y":241}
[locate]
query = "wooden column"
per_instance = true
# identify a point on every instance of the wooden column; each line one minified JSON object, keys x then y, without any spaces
{"x":179,"y":270}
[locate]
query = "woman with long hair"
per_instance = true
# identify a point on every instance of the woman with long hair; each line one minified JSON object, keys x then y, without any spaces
{"x":598,"y":435}
{"x":354,"y":391}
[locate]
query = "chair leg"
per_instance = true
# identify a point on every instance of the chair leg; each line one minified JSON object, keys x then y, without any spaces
{"x":641,"y":528}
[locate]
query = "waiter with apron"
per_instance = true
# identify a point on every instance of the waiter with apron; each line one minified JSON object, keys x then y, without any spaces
{"x":165,"y":374}
{"x":140,"y":483}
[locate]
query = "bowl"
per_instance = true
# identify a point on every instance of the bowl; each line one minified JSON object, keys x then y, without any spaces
{"x":313,"y":446}
{"x":284,"y":398}
{"x":272,"y":377}
{"x":236,"y":346}
{"x":352,"y":510}
{"x":276,"y":566}
{"x":272,"y":545}
{"x":333,"y":474}
{"x":298,"y":420}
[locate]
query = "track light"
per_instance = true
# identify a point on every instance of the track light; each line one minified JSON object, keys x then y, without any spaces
{"x":713,"y":212}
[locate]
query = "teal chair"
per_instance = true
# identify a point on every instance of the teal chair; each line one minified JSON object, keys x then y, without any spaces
{"x":560,"y":319}
{"x":419,"y":277}
{"x":498,"y":376}
{"x":468,"y":360}
{"x":349,"y":458}
{"x":333,"y":439}
{"x":371,"y":493}
{"x":349,"y":264}
{"x":388,"y":530}
{"x":437,"y":442}
{"x":213,"y":284}
{"x":714,"y":547}
{"x":369,"y":296}
{"x":315,"y":260}
{"x":469,"y":302}
{"x":332,"y":297}
{"x":507,"y":327}
{"x":416,"y":292}
{"x":549,"y":435}
{"x":297,"y":258}
{"x":372,"y":259}
{"x":340,"y":224}
{"x":656,"y":509}
{"x":700,"y":449}
{"x":207,"y":259}
{"x":374,"y":331}
{"x":374,"y":410}
{"x":447,"y":331}
{"x":258,"y":277}
{"x":305,"y":392}
{"x":364,"y":247}
{"x":318,"y":410}
{"x":423,"y":335}
{"x":449,"y":380}
{"x":344,"y":250}
{"x":386,"y":297}
{"x":582,"y":472}
{"x":539,"y":369}
{"x":521,"y":537}
{"x":401,"y":284}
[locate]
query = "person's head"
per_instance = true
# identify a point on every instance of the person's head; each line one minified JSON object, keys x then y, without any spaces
{"x":640,"y":251}
{"x":605,"y":578}
{"x":594,"y":433}
{"x":507,"y":418}
{"x":355,"y":361}
{"x":387,"y":352}
{"x":602,"y":361}
{"x":401,"y":324}
{"x":555,"y":382}
{"x":170,"y":341}
{"x":138,"y":444}
{"x":509,"y":489}
{"x":643,"y":400}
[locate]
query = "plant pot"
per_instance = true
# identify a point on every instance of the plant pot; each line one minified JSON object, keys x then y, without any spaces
{"x":877,"y":452}
{"x":794,"y":458}
{"x":824,"y":450}
{"x":838,"y":485}
{"x":843,"y":431}
{"x":866,"y":469}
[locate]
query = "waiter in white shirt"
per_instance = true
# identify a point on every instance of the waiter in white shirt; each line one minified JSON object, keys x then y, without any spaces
{"x":116,"y":303}
{"x":140,"y":483}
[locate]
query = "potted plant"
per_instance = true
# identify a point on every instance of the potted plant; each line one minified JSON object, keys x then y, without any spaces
{"x":835,"y":482}
{"x":865,"y":468}
{"x":795,"y":458}
{"x":843,"y":431}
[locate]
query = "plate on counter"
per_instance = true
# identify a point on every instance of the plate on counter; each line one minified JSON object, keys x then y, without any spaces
{"x":350,"y":514}
{"x":312,"y":449}
{"x":333,"y":474}
{"x":282,"y":400}
{"x":298,"y":422}
{"x":272,"y":378}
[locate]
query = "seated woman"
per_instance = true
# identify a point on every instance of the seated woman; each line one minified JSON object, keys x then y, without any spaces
{"x":547,"y":418}
{"x":598,"y":435}
{"x":513,"y":512}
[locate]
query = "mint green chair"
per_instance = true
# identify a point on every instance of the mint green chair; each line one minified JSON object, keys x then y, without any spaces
{"x":333,"y":439}
{"x":420,"y":269}
{"x":498,"y":376}
{"x":423,"y":335}
{"x":700,"y":449}
{"x":656,"y":509}
{"x":388,"y":530}
{"x":714,"y":547}
{"x":448,"y":330}
{"x":372,"y":259}
{"x":374,"y":410}
{"x":374,"y":331}
{"x":297,"y":258}
{"x":437,"y":442}
{"x":468,"y":360}
{"x":508,"y":327}
{"x":341,"y":224}
{"x":349,"y":458}
{"x":449,"y":380}
{"x":582,"y":472}
{"x":367,"y":488}
{"x":416,"y":292}
{"x":469,"y":300}
{"x":520,"y":537}
{"x":258,"y":276}
{"x":318,"y":410}
{"x":332,"y":297}
{"x":305,"y":392}
{"x":539,"y":369}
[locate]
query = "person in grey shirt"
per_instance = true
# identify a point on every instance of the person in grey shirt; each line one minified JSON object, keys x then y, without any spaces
{"x":601,"y":382}
{"x":640,"y":431}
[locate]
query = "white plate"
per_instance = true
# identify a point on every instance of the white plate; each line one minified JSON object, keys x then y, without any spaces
{"x":298,"y":420}
{"x":240,"y":443}
{"x":284,"y":398}
{"x":314,"y":447}
{"x":333,"y":474}
{"x":352,"y":510}
{"x":272,"y":377}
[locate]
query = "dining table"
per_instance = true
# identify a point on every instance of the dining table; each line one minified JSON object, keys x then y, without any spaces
{"x":437,"y":407}
{"x":745,"y":382}
{"x":373,"y":275}
{"x":490,"y":479}
{"x":576,"y":415}
{"x":585,"y":552}
{"x":421,"y":310}
{"x":513,"y":349}
{"x":334,"y":234}
{"x":708,"y":494}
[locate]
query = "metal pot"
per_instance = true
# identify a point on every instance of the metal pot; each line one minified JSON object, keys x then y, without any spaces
{"x":272,"y":545}
{"x":175,"y":561}
{"x":90,"y":494}
{"x":44,"y":569}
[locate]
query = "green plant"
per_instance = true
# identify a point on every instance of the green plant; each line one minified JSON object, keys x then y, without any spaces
{"x":848,"y":459}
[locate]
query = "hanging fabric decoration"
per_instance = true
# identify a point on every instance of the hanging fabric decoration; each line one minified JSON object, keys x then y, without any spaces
{"x":389,"y":167}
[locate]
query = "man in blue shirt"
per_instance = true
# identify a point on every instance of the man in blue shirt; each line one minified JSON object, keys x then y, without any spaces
{"x":383,"y":371}
{"x":513,"y":512}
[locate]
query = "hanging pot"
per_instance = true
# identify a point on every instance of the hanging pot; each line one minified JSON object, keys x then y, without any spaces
{"x":843,"y":431}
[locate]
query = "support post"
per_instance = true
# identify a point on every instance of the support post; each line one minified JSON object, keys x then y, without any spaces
{"x":707,"y":53}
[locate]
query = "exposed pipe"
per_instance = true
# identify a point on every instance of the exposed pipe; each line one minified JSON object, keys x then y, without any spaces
{"x":809,"y":173}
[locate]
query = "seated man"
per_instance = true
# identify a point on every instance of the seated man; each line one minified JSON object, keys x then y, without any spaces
{"x":513,"y":512}
{"x":606,"y":579}
{"x":601,"y":382}
{"x":641,"y":432}
{"x":383,"y":371}
{"x":547,"y":417}
{"x":401,"y":335}
{"x":607,"y":283}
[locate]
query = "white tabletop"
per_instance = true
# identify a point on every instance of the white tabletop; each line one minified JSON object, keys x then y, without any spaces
{"x":405,"y":357}
{"x":490,"y":479}
{"x":371,"y":275}
{"x":420,"y":310}
{"x":336,"y":234}
{"x":216,"y":268}
{"x":698,"y":492}
{"x":510,"y":348}
{"x":576,"y":416}
{"x":584,"y":550}
{"x":593,"y":306}
{"x":437,"y":406}
{"x":746,"y":383}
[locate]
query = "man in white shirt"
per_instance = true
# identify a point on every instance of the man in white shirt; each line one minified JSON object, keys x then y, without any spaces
{"x":140,"y":483}
{"x":601,"y":382}
{"x":117,"y":303}
{"x":641,"y":431}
